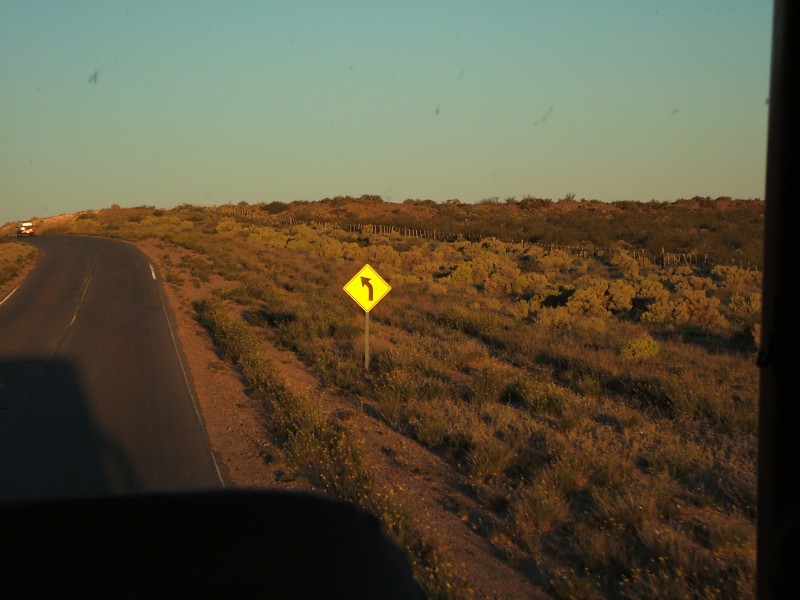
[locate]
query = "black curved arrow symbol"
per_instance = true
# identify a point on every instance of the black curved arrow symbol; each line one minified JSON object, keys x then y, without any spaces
{"x":365,"y":281}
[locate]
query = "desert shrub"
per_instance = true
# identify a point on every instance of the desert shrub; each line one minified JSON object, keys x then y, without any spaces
{"x":620,"y":296}
{"x":697,"y":308}
{"x":629,"y":508}
{"x":589,"y":384}
{"x":458,"y":351}
{"x":572,"y":317}
{"x":327,"y":246}
{"x":434,"y":288}
{"x":267,"y":236}
{"x":482,"y":324}
{"x":555,"y":260}
{"x":735,"y":279}
{"x":529,"y":284}
{"x":486,"y":386}
{"x":692,"y":282}
{"x":502,"y":274}
{"x":652,"y":301}
{"x":558,"y":318}
{"x":661,"y":581}
{"x":520,"y":309}
{"x":199,"y":267}
{"x":300,"y":243}
{"x":627,"y":266}
{"x":640,"y":349}
{"x":543,"y":397}
{"x":555,"y":295}
{"x":462,"y":273}
{"x":228,"y":225}
{"x":394,"y":386}
{"x":534,"y":305}
{"x":488,"y":455}
{"x":173,"y":278}
{"x":657,"y":312}
{"x":534,"y":510}
{"x":530,"y":258}
{"x":429,"y":424}
{"x":650,"y":391}
{"x":745,"y":311}
{"x":745,"y":308}
{"x":568,"y":584}
{"x":604,"y":552}
{"x":13,"y":257}
{"x":447,"y":424}
{"x":665,"y":452}
{"x":496,"y":274}
{"x":391,"y":406}
{"x":494,"y":244}
{"x":589,"y":299}
{"x":381,"y":256}
{"x":414,"y":258}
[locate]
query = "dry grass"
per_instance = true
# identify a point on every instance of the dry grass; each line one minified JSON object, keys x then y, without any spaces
{"x":603,"y":411}
{"x":14,"y":258}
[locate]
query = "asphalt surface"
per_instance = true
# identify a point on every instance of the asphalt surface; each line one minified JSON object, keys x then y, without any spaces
{"x":94,"y":396}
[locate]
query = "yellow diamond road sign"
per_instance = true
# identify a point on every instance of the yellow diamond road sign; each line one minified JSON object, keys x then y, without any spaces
{"x":367,"y":288}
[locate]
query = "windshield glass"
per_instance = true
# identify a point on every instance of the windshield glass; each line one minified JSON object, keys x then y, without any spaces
{"x":489,"y":271}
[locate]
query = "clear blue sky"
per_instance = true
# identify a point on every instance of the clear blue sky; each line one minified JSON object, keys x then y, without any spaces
{"x":165,"y":102}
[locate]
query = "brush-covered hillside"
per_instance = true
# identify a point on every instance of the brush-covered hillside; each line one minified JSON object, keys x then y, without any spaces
{"x":584,"y":372}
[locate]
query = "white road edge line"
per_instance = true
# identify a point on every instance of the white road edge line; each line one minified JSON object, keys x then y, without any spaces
{"x":86,"y":283}
{"x":152,"y":271}
{"x":11,"y":293}
{"x":189,"y":387}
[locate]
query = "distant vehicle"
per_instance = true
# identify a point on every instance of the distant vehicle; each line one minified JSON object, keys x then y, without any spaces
{"x":26,"y":228}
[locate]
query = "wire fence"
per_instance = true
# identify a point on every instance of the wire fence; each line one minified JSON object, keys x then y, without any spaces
{"x":700,"y":261}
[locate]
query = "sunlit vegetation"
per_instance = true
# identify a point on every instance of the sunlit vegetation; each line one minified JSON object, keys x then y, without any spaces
{"x":725,"y":230}
{"x":14,"y":257}
{"x":602,"y":406}
{"x":324,"y":448}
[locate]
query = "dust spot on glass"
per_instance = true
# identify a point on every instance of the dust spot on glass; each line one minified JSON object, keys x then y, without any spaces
{"x":543,"y":119}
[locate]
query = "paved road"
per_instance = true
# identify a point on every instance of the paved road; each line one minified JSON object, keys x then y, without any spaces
{"x":94,"y":400}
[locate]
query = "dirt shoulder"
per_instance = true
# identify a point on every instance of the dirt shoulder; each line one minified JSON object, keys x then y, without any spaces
{"x":232,"y":419}
{"x":439,"y":500}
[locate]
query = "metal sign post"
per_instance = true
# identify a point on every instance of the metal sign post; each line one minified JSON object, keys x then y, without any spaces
{"x":366,"y":340}
{"x":367,"y":288}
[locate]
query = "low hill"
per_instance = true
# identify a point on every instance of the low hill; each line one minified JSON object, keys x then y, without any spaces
{"x":566,"y":414}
